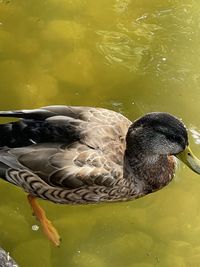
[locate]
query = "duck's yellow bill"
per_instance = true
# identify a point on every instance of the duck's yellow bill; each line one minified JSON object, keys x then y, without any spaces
{"x":189,"y":159}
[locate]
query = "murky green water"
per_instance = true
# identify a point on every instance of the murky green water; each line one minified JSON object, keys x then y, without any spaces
{"x":133,"y":56}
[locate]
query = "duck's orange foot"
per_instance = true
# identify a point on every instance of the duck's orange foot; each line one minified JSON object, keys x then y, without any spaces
{"x":48,"y":228}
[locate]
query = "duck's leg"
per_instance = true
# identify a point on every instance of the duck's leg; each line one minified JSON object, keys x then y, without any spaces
{"x":49,"y":230}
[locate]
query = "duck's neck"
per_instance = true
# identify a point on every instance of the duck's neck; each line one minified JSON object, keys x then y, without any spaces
{"x":147,"y":174}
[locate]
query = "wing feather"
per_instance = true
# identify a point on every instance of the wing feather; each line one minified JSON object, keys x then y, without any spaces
{"x":70,"y":147}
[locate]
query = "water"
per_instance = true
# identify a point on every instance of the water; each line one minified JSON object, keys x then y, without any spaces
{"x":131,"y":56}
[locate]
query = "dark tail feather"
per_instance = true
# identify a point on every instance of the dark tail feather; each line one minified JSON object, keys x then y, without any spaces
{"x":12,"y":135}
{"x":37,"y":114}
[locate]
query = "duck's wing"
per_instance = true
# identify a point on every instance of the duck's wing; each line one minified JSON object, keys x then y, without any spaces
{"x":72,"y":166}
{"x":65,"y":146}
{"x":94,"y":126}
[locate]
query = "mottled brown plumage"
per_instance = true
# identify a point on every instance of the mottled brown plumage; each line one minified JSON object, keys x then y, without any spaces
{"x":79,"y":155}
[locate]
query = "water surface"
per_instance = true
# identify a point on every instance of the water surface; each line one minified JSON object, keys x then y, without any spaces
{"x":133,"y":56}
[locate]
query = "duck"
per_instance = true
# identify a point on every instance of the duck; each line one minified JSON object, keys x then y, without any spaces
{"x":88,"y":155}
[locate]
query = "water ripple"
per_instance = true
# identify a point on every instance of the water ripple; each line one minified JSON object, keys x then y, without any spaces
{"x":120,"y":49}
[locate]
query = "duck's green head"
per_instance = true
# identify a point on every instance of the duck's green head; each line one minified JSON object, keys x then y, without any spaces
{"x":160,"y":133}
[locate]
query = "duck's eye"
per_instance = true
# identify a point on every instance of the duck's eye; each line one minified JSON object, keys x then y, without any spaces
{"x":189,"y":154}
{"x":176,"y":139}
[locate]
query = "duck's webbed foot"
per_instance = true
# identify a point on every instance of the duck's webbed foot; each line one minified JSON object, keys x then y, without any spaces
{"x":48,"y":228}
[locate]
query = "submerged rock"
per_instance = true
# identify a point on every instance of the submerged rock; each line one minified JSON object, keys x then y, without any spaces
{"x":6,"y":260}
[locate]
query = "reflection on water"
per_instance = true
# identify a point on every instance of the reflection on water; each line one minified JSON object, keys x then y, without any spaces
{"x":133,"y":56}
{"x":119,"y":49}
{"x":195,"y":135}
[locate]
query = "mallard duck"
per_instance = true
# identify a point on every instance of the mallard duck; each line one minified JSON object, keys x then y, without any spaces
{"x":82,"y":155}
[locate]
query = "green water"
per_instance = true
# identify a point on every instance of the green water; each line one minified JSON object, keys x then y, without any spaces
{"x":133,"y":56}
